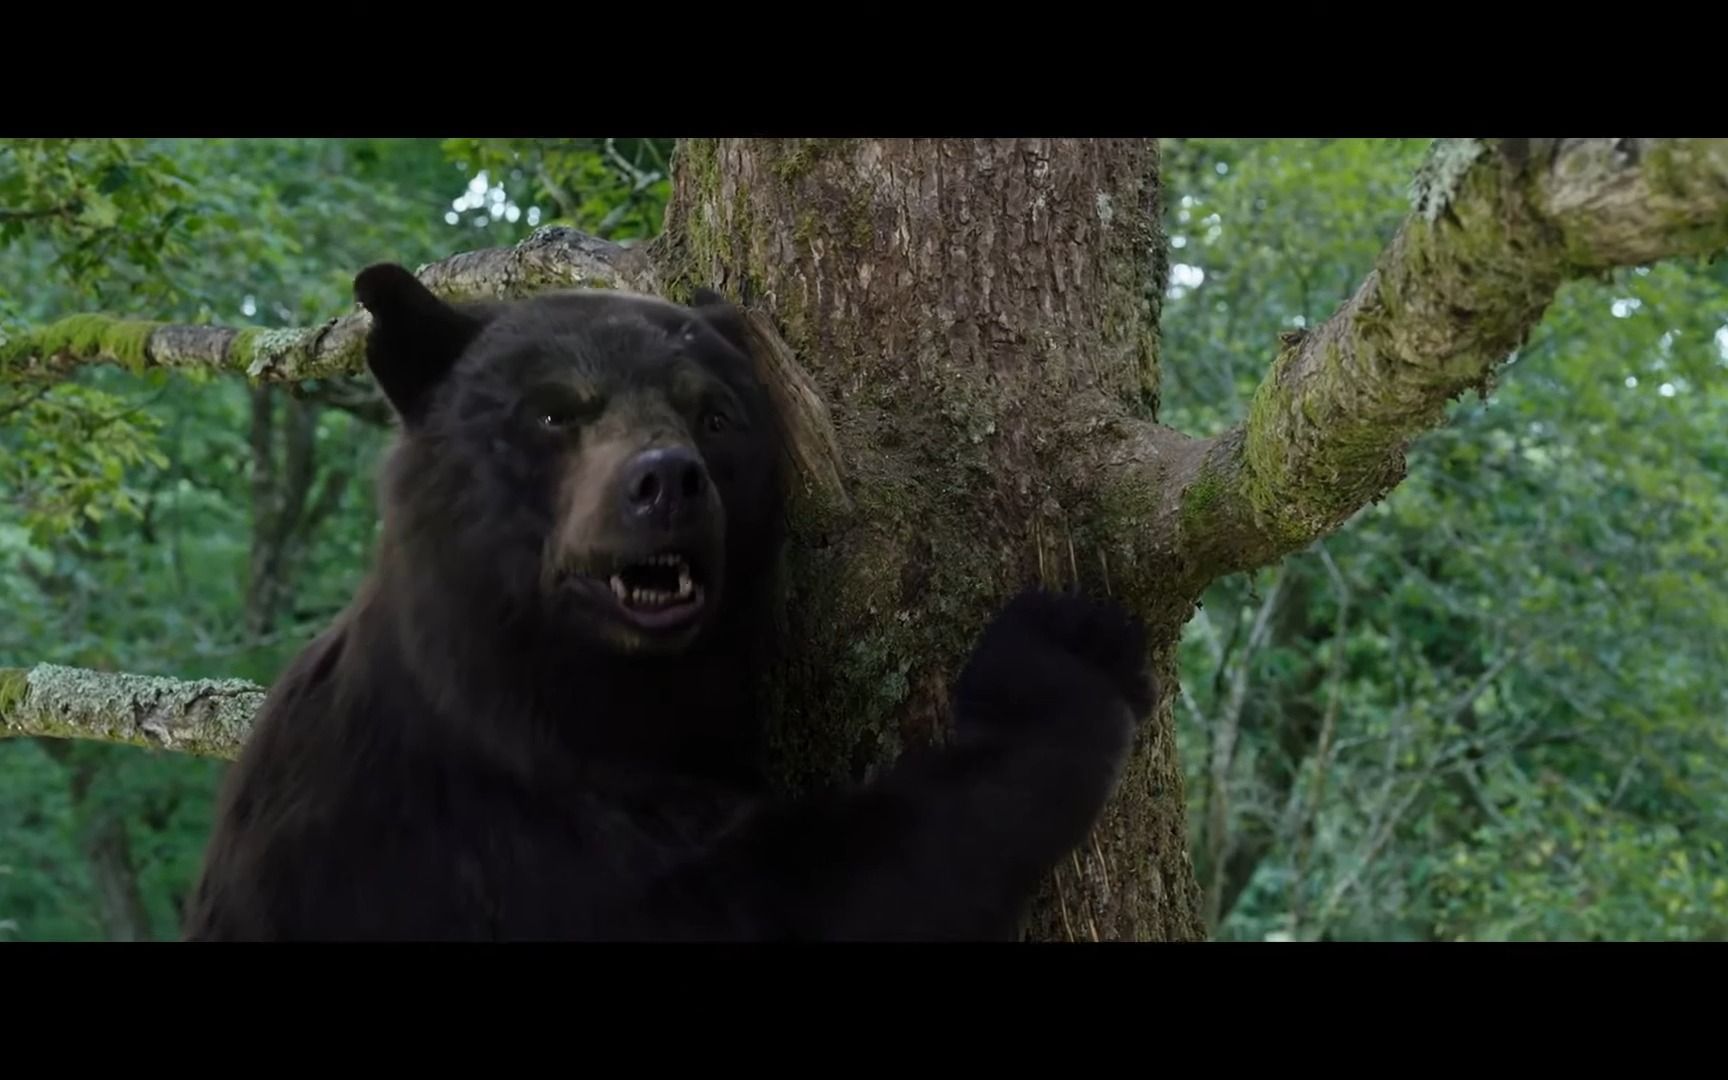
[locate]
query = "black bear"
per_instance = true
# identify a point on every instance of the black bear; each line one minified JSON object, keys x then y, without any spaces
{"x":535,"y":720}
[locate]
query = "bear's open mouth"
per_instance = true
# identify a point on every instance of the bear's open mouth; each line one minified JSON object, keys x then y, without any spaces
{"x":661,"y":592}
{"x":655,"y":584}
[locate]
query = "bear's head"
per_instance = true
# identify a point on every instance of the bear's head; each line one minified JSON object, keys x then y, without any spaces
{"x":589,"y":463}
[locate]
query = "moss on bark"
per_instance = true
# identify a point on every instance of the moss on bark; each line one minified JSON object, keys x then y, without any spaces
{"x":83,"y":339}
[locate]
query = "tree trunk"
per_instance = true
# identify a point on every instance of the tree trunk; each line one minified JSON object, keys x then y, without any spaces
{"x":107,"y":846}
{"x":285,"y":506}
{"x":972,"y":313}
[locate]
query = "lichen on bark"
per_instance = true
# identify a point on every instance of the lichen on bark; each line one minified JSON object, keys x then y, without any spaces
{"x":205,"y":717}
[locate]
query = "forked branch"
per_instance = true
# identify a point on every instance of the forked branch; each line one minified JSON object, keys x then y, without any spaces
{"x":1498,"y":226}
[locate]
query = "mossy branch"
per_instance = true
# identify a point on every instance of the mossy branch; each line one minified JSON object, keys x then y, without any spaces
{"x":550,"y":258}
{"x":1498,"y":226}
{"x":209,"y":718}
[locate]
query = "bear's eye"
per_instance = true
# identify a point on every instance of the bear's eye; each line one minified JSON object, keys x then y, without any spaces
{"x":716,"y":422}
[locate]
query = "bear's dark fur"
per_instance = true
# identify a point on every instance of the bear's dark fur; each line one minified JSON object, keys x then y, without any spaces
{"x":536,"y":721}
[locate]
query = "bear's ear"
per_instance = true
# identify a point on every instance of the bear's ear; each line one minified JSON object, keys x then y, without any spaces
{"x":719,"y":313}
{"x":416,"y":338}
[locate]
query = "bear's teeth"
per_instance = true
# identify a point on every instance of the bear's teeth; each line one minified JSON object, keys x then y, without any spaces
{"x":650,"y":597}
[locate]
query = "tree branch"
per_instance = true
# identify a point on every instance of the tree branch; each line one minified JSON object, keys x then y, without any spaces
{"x":210,"y":718}
{"x":551,"y":258}
{"x":1498,"y":226}
{"x":1223,"y":759}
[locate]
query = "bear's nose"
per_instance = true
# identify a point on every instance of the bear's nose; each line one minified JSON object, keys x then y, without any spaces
{"x":662,"y":485}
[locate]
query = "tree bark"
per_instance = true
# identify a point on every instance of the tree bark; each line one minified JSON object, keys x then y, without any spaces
{"x":207,"y":717}
{"x":964,"y":336}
